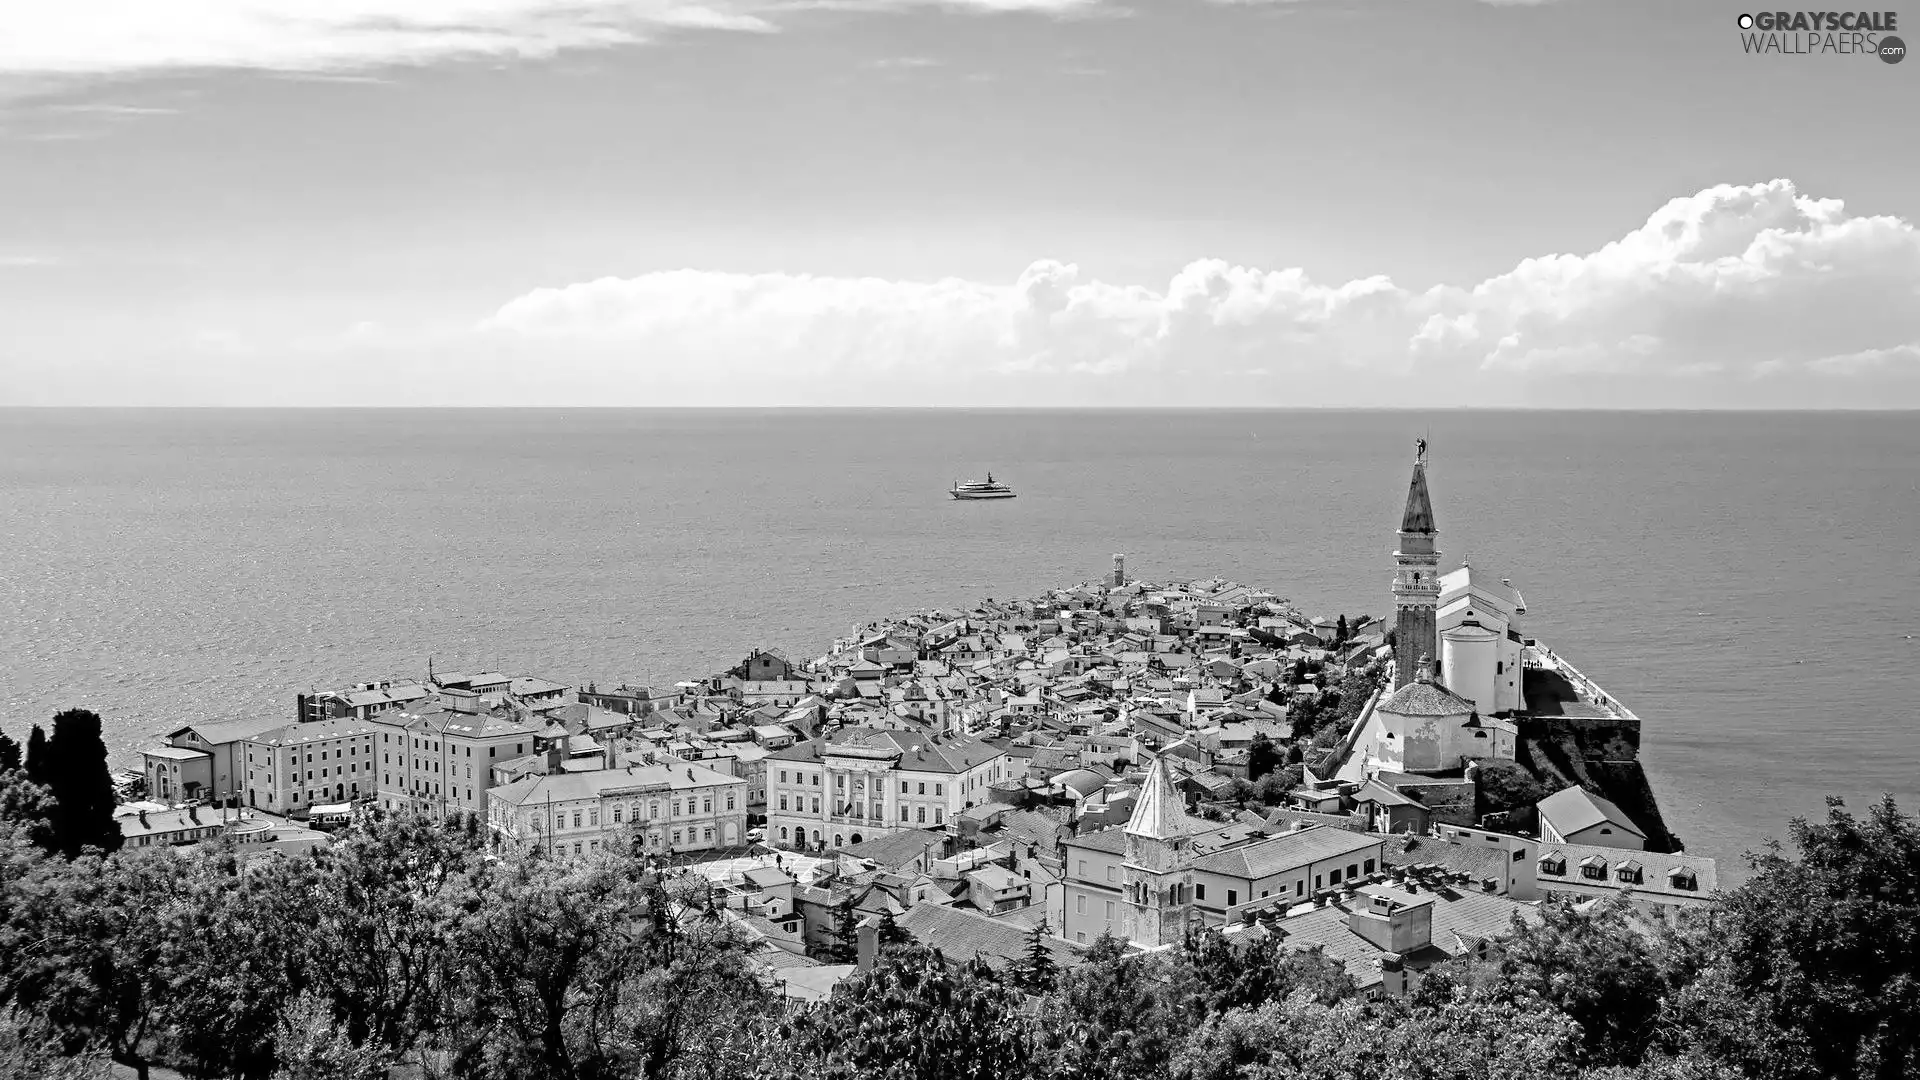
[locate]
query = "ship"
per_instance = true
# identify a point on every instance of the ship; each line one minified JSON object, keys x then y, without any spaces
{"x":981,"y":489}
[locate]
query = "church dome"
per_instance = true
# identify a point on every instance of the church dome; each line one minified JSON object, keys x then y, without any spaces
{"x":1424,"y":698}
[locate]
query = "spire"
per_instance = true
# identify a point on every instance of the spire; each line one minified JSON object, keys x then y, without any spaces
{"x":1419,"y":515}
{"x":1161,"y":813}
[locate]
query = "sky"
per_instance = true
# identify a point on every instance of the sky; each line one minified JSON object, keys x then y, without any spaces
{"x":1396,"y":203}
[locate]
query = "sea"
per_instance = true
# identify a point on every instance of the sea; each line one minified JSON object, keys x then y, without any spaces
{"x":1745,"y":582}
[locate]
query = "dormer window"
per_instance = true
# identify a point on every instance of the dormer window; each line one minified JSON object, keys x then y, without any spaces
{"x":1628,"y":873}
{"x":1682,"y":878}
{"x":1553,"y":864}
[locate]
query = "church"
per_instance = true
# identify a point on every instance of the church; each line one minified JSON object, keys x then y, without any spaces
{"x":1457,"y":678}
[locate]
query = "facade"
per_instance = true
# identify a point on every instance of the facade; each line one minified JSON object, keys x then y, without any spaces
{"x":669,"y":808}
{"x":1652,"y":882}
{"x":362,"y":701}
{"x":291,"y":768}
{"x":1416,"y":582}
{"x":1578,"y":816}
{"x":1296,"y":866}
{"x":437,"y":757}
{"x":201,"y":761}
{"x":867,"y":783}
{"x":1480,"y":644}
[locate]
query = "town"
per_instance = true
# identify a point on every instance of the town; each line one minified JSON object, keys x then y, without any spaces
{"x":1123,"y":760}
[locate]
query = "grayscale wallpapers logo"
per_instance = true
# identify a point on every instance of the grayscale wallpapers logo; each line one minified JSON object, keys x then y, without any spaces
{"x":1836,"y":33}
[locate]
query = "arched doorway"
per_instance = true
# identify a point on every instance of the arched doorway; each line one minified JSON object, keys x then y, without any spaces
{"x":856,"y":838}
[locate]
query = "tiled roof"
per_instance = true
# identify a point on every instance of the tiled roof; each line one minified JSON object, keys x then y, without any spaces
{"x":962,"y":935}
{"x":1423,"y":698}
{"x":1575,"y":808}
{"x":1279,"y":854}
{"x":567,"y":787}
{"x":219,"y":732}
{"x":897,"y":849}
{"x":315,"y":731}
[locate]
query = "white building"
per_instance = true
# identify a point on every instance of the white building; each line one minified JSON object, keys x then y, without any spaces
{"x":672,"y":807}
{"x":864,"y":783}
{"x":437,"y":757}
{"x":1479,"y":644}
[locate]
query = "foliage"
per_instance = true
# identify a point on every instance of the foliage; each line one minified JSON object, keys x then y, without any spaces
{"x":1262,"y":757}
{"x":36,"y":757}
{"x":1827,"y":945}
{"x":912,"y":1017}
{"x":1503,"y":786}
{"x":10,"y":758}
{"x":412,"y":947}
{"x":73,"y":766}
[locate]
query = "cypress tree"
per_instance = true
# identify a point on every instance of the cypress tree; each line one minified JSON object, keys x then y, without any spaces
{"x":1037,"y":972}
{"x":81,"y":783}
{"x":9,"y":753}
{"x":37,"y":755}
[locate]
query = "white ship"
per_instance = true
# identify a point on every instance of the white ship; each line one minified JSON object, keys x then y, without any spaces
{"x":981,"y":489}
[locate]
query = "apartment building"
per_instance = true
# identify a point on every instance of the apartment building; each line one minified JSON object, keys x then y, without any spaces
{"x":862,"y":783}
{"x":322,"y":761}
{"x":437,"y":757}
{"x":670,"y":807}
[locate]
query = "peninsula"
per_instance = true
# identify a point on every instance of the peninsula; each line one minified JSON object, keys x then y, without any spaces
{"x":1125,"y":757}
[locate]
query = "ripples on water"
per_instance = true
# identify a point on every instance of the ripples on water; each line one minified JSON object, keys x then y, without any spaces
{"x":163,"y":567}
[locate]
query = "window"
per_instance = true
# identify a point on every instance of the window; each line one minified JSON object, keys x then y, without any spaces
{"x":1333,"y":876}
{"x":1519,"y":853}
{"x":816,"y":779}
{"x":939,"y":816}
{"x":1109,"y":910}
{"x":706,"y":805}
{"x":939,"y":789}
{"x":903,"y":813}
{"x":903,"y":787}
{"x":840,"y":782}
{"x":1300,"y":887}
{"x":1316,"y":883}
{"x":1233,"y":897}
{"x":1111,"y":872}
{"x":1083,"y":868}
{"x":1199,"y":892}
{"x":922,"y":816}
{"x":576,"y":819}
{"x":1594,"y":873}
{"x":1352,"y":871}
{"x":816,"y":804}
{"x":783,"y":802}
{"x":593,"y":817}
{"x":1369,"y":864}
{"x":923,"y":789}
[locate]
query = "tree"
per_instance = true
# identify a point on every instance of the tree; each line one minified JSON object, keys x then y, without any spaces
{"x":36,"y":759}
{"x":26,"y":810}
{"x":912,"y":1017}
{"x":82,"y":786}
{"x":1592,"y":965}
{"x":1261,"y":757}
{"x":1826,"y":943}
{"x":843,"y":937}
{"x":890,"y":934}
{"x":1340,"y":631}
{"x":1037,"y":969}
{"x":9,"y":753}
{"x":1505,"y":786}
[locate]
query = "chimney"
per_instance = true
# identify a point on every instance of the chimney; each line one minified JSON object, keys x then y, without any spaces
{"x":143,"y":820}
{"x":1391,"y":925}
{"x":867,"y":942}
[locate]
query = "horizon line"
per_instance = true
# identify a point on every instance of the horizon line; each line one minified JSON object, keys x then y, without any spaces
{"x":1853,"y":409}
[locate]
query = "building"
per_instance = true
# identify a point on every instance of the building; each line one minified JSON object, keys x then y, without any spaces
{"x":1578,"y":816}
{"x":669,"y":808}
{"x":864,"y":783}
{"x":290,"y":768}
{"x":201,"y":761}
{"x":1480,"y":644}
{"x":437,"y":757}
{"x":362,"y":701}
{"x":1416,"y":581}
{"x":1652,"y":882}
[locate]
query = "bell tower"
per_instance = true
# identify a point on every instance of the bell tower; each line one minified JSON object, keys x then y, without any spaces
{"x":1416,"y":580}
{"x":1156,"y":883}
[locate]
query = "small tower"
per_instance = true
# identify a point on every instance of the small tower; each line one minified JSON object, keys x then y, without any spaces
{"x":1119,"y":576}
{"x":1157,"y":887}
{"x":1416,"y":580}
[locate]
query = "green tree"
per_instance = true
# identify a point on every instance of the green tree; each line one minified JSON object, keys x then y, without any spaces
{"x":1262,"y":757}
{"x":26,"y":811}
{"x":36,"y":758}
{"x":1592,"y":965}
{"x":843,"y":937}
{"x":81,"y":783}
{"x":1826,"y":941}
{"x":1037,"y":971}
{"x":1340,"y":632}
{"x":890,"y":934}
{"x":9,"y":753}
{"x":912,"y":1017}
{"x":1504,"y":786}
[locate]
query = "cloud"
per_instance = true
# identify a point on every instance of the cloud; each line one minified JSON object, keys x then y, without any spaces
{"x":114,"y":37}
{"x":1732,"y":283}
